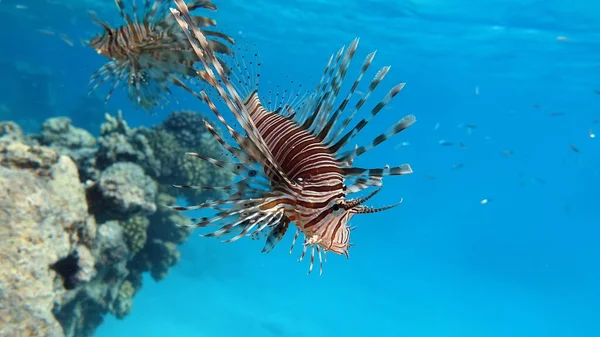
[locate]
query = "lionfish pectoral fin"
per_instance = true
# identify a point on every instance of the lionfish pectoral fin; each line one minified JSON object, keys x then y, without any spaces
{"x":326,"y":94}
{"x":363,"y":122}
{"x":298,"y":232}
{"x":201,"y":4}
{"x":329,"y":127}
{"x":359,"y":201}
{"x":237,"y":153}
{"x":400,"y":126}
{"x":276,"y":234}
{"x":207,"y":78}
{"x":363,"y":183}
{"x":378,"y":172}
{"x":379,"y":76}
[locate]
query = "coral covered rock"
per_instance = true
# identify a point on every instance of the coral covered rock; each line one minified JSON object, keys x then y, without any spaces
{"x":124,"y":300}
{"x":10,"y":131}
{"x":85,"y":218}
{"x":59,"y":132}
{"x":124,"y":189}
{"x":74,"y":142}
{"x":119,"y":143}
{"x":82,"y":310}
{"x":40,"y":199}
{"x":185,"y":132}
{"x":19,"y":155}
{"x":163,"y":255}
{"x":166,"y":224}
{"x":135,"y":230}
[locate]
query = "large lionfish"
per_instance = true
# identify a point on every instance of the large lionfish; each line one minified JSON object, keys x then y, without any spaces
{"x":149,"y":52}
{"x":291,"y":163}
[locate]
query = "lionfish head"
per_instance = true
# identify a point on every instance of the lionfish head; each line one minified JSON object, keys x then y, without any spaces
{"x":338,"y":215}
{"x":100,"y":43}
{"x":343,"y":210}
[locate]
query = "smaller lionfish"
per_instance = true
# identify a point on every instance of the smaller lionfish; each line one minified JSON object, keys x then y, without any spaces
{"x":290,"y":161}
{"x":149,"y":52}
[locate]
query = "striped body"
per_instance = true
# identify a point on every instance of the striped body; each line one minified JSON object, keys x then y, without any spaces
{"x":290,"y":163}
{"x":304,"y":159}
{"x":125,"y":41}
{"x":148,"y":53}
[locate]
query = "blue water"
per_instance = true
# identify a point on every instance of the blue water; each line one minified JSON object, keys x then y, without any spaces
{"x":526,"y":263}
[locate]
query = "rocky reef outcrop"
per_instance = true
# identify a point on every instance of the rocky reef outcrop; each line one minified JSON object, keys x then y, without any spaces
{"x":82,"y":218}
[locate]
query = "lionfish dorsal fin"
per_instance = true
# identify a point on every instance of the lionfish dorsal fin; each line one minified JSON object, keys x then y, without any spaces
{"x":99,"y":22}
{"x":224,"y":87}
{"x":254,"y":106}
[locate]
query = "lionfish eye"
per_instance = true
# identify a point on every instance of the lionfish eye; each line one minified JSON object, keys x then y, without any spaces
{"x":335,"y":207}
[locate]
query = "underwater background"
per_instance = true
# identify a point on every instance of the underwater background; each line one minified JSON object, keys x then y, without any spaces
{"x":498,"y":232}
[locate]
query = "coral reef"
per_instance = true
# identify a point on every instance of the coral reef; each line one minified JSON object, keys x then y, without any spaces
{"x":84,"y":217}
{"x":185,"y":131}
{"x":80,"y":145}
{"x":124,"y":190}
{"x":118,"y":142}
{"x":41,"y":203}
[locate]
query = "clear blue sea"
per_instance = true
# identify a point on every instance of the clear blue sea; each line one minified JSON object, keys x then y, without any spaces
{"x":498,"y":234}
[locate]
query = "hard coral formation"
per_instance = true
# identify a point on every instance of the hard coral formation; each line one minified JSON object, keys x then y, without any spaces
{"x":124,"y":190}
{"x":185,"y":132}
{"x":41,"y":204}
{"x":124,"y":301}
{"x":58,"y":133}
{"x":119,"y":143}
{"x":85,"y":217}
{"x":135,"y":231}
{"x":164,"y":224}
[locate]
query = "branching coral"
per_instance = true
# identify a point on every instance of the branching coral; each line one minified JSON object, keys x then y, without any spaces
{"x":135,"y":231}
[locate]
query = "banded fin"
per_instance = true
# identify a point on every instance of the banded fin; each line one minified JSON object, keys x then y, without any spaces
{"x":400,"y":126}
{"x":227,"y":90}
{"x":363,"y":183}
{"x":379,"y":76}
{"x":326,"y":95}
{"x":276,"y":234}
{"x":378,"y":172}
{"x":363,"y":122}
{"x":328,"y":127}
